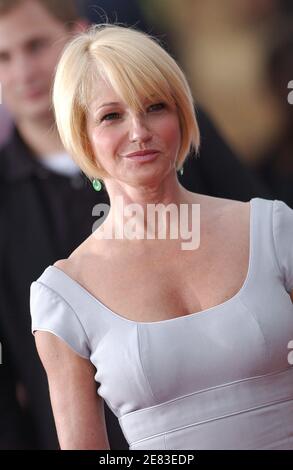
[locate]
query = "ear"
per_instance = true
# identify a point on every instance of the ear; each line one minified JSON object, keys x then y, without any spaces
{"x":80,"y":26}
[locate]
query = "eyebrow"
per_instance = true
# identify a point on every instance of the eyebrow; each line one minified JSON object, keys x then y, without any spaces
{"x":113,"y":103}
{"x":28,"y":42}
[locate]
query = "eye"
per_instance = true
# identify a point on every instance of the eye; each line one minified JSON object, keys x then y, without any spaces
{"x":110,"y":117}
{"x":37,"y":45}
{"x":156,"y":107}
{"x":4,"y":57}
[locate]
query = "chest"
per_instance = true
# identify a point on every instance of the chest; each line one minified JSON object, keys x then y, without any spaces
{"x":167,"y":283}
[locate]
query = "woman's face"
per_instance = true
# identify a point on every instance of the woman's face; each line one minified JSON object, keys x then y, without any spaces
{"x":133,"y":147}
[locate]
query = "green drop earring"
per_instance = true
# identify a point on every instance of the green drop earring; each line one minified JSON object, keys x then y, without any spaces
{"x":97,"y":185}
{"x":181,"y":171}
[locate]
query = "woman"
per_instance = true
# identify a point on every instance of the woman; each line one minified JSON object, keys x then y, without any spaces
{"x":189,"y":347}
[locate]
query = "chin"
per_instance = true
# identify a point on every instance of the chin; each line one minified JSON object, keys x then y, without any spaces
{"x":151,"y":179}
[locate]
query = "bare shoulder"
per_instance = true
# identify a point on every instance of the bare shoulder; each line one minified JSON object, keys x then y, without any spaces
{"x":67,"y":265}
{"x":83,"y":256}
{"x":72,"y":263}
{"x":216,"y":207}
{"x":213,"y":201}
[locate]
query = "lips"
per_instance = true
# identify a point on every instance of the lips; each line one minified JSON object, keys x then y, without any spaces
{"x":141,"y":153}
{"x":142,"y":156}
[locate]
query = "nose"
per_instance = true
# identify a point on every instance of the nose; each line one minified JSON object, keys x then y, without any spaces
{"x":139,"y":130}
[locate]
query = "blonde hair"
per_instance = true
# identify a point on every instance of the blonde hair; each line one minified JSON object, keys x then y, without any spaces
{"x":137,"y":67}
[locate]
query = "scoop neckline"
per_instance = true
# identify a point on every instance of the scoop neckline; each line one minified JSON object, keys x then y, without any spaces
{"x":189,"y":315}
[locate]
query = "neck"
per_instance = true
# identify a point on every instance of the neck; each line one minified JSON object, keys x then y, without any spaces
{"x":158,"y":196}
{"x":41,"y":136}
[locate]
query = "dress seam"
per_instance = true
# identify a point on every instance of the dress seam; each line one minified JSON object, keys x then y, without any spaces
{"x":248,"y":379}
{"x":250,"y":310}
{"x":273,"y":220}
{"x":211,"y":420}
{"x":141,"y":363}
{"x":165,"y":442}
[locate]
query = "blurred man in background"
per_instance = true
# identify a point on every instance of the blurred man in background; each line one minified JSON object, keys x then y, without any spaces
{"x":45,"y":208}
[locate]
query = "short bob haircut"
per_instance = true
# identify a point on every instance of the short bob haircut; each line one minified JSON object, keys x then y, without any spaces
{"x":137,"y":68}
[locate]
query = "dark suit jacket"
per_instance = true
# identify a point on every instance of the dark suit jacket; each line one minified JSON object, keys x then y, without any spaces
{"x":31,"y":239}
{"x":43,"y":217}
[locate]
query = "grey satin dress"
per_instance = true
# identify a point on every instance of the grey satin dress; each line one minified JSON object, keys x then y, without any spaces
{"x":217,"y":379}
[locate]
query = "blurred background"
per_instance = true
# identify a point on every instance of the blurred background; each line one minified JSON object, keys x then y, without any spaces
{"x":238,"y":57}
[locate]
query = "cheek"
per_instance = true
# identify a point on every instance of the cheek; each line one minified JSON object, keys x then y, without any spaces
{"x":47,"y":65}
{"x":50,"y":55}
{"x":108,"y":138}
{"x":171,"y":133}
{"x":5,"y":77}
{"x":101,"y":142}
{"x":104,"y":143}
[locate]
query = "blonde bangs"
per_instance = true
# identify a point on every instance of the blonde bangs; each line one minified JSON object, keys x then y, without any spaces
{"x":134,"y":82}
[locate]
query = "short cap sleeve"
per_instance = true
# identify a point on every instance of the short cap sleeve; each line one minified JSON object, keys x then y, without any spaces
{"x":50,"y":312}
{"x":283,"y":238}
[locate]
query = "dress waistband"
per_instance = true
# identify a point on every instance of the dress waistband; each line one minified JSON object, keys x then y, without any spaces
{"x":208,"y":405}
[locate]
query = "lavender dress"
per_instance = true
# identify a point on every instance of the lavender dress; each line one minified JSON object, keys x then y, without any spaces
{"x":217,"y":379}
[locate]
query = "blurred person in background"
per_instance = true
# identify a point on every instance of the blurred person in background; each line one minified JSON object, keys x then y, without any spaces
{"x":5,"y":125}
{"x":45,"y":207}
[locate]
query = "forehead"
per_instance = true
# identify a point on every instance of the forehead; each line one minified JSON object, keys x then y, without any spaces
{"x":103,"y":93}
{"x":26,"y":21}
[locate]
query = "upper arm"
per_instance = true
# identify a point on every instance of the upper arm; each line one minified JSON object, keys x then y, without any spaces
{"x":291,"y":295}
{"x":78,"y":409}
